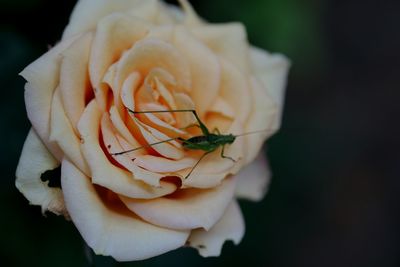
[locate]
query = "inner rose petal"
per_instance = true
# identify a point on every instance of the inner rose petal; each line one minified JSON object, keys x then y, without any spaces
{"x":184,"y":119}
{"x":150,"y":53}
{"x":167,"y":149}
{"x":105,"y":173}
{"x":167,"y":117}
{"x":165,"y":94}
{"x":122,"y":129}
{"x":166,"y":128}
{"x":164,"y":165}
{"x":113,"y":145}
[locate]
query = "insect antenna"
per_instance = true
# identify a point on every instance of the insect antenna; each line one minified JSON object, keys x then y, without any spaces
{"x":141,"y":147}
{"x":252,"y":132}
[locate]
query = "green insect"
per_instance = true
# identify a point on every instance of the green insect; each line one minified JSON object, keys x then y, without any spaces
{"x":207,"y":142}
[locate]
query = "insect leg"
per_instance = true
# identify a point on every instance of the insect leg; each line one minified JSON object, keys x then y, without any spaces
{"x":197,"y":163}
{"x":216,"y":130}
{"x":226,"y":157}
{"x":141,"y":147}
{"x":189,"y":126}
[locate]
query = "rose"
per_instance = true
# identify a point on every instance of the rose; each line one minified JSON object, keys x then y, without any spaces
{"x":146,"y":55}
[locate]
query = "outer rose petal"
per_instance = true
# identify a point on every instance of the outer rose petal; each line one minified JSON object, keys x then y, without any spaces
{"x":191,"y":17}
{"x":235,"y":90}
{"x":42,"y":79}
{"x":62,"y":132}
{"x":228,"y":40}
{"x":272,"y":70}
{"x":34,"y":161}
{"x":74,"y":79}
{"x":204,"y":68}
{"x":114,"y":34}
{"x":264,"y":114}
{"x":229,"y":227}
{"x":252,"y":180}
{"x":87,"y":13}
{"x":121,"y":234}
{"x":188,"y":209}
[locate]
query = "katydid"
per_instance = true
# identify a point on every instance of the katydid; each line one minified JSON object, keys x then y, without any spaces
{"x":207,"y":142}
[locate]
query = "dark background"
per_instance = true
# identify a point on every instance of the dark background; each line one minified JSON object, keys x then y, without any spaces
{"x":334,"y":199}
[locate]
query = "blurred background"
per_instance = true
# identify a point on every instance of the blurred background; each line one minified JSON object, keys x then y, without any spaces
{"x":334,"y":198}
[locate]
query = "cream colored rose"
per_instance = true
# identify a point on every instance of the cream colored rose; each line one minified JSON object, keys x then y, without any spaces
{"x":117,"y":55}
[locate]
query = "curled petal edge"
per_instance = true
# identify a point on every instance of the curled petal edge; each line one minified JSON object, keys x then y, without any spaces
{"x":34,"y":161}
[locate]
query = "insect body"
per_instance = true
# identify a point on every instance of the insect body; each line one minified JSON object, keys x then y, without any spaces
{"x":207,"y":142}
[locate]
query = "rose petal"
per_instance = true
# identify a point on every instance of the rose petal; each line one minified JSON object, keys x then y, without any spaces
{"x":155,"y":106}
{"x":116,"y":144}
{"x":112,"y":142}
{"x":235,"y":90}
{"x":104,"y":173}
{"x":74,"y":78}
{"x":119,"y":124}
{"x":187,"y":209}
{"x":229,"y":40}
{"x":204,"y":67}
{"x":108,"y":83}
{"x":61,"y":131}
{"x":34,"y":161}
{"x":191,"y":17}
{"x":220,"y":106}
{"x":165,"y":93}
{"x":253,"y":179}
{"x":264,"y":117}
{"x":229,"y":227}
{"x":109,"y":232}
{"x":154,"y":85}
{"x":151,"y":120}
{"x":163,"y":165}
{"x":150,"y":134}
{"x":168,"y":14}
{"x":146,"y":176}
{"x":202,"y":180}
{"x":170,"y":149}
{"x":80,"y":21}
{"x":151,"y":53}
{"x":42,"y":79}
{"x":184,"y":119}
{"x":114,"y":34}
{"x":272,"y":70}
{"x":129,"y":88}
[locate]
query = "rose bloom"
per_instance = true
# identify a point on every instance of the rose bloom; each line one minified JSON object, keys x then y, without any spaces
{"x":145,"y":55}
